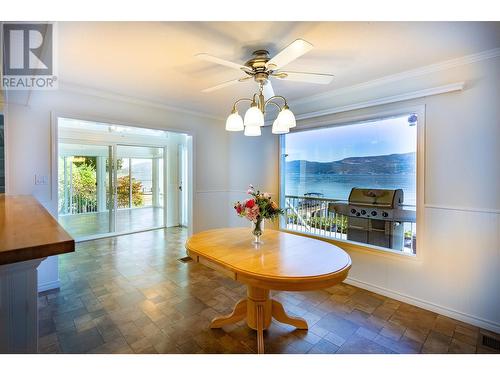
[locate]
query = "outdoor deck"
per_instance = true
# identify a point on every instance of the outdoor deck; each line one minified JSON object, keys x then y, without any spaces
{"x":312,"y":215}
{"x":127,"y":220}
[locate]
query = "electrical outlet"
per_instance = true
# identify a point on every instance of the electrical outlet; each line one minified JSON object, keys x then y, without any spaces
{"x":40,"y":180}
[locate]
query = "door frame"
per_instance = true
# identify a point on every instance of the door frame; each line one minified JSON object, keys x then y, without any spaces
{"x":54,"y":167}
{"x":182,"y":160}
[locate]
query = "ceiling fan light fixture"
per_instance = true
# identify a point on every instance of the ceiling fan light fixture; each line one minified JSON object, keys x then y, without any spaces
{"x":252,"y":131}
{"x":286,"y":118}
{"x":278,"y":128}
{"x":234,"y":122}
{"x":254,"y":117}
{"x":262,"y":68}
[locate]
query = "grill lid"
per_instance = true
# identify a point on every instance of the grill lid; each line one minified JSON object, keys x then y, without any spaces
{"x":376,"y":197}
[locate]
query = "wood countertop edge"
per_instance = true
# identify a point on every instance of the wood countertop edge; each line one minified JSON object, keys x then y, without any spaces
{"x":43,"y":251}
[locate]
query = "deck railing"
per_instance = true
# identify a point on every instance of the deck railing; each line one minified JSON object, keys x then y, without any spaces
{"x":75,"y":204}
{"x":311,"y":215}
{"x":79,"y":205}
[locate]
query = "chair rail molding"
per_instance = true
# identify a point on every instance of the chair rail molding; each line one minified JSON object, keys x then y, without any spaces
{"x":461,"y":208}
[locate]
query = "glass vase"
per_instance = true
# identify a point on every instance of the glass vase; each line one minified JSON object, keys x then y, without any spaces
{"x":258,"y":227}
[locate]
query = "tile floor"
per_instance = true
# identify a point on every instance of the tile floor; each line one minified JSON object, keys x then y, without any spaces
{"x":131,"y":294}
{"x":127,"y":220}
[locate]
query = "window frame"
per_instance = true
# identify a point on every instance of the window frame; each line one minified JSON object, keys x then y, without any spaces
{"x":345,"y":119}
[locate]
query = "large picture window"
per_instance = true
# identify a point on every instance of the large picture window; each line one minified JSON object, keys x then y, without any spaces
{"x":355,"y":182}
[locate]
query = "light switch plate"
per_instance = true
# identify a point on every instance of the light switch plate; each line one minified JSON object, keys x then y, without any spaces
{"x":40,"y":179}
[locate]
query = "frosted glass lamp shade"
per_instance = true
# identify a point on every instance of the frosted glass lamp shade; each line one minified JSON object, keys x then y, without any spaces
{"x":286,"y":118}
{"x":252,"y":131}
{"x":278,"y":128}
{"x":234,"y":122}
{"x":254,"y":117}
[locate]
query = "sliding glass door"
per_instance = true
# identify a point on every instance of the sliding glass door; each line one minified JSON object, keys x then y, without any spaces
{"x":107,"y":189}
{"x":139,"y":188}
{"x":85,"y":194}
{"x":113,"y":178}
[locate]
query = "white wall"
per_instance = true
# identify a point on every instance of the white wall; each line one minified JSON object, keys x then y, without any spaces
{"x":458,"y":273}
{"x":252,"y":160}
{"x":28,"y":140}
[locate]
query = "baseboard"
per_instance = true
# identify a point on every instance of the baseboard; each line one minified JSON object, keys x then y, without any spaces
{"x":43,"y":287}
{"x":457,"y":315}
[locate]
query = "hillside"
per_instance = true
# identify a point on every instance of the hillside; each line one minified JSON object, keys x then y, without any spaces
{"x":365,"y":165}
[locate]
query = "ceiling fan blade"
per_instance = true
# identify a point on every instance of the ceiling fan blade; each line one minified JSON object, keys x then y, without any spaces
{"x":243,"y":79}
{"x":320,"y":78}
{"x":217,"y":60}
{"x":221,"y":85}
{"x":268,"y":90}
{"x":293,"y":51}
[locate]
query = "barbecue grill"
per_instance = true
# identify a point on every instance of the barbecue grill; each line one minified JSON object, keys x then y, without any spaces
{"x":376,"y":216}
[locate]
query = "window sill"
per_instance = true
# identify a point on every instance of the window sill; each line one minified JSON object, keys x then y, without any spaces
{"x":358,"y":247}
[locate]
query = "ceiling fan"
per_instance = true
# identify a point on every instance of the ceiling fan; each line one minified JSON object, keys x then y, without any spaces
{"x":261,"y":68}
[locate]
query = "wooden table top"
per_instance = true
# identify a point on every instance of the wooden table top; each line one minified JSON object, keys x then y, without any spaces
{"x":28,"y":231}
{"x":284,"y":261}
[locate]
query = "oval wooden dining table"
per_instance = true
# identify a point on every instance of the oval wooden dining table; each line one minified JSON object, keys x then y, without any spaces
{"x":284,"y":261}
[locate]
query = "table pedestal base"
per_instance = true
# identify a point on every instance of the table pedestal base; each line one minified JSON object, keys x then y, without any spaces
{"x":258,"y":309}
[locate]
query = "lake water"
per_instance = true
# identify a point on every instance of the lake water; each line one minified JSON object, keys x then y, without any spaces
{"x":339,"y":186}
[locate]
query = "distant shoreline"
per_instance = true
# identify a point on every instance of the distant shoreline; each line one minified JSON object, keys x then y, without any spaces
{"x":393,"y":164}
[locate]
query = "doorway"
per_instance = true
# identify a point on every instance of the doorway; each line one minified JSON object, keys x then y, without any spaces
{"x":112,"y":179}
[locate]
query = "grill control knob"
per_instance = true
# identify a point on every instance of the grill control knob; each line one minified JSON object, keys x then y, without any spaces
{"x":357,"y":213}
{"x":363,"y":212}
{"x":385,"y":214}
{"x":353,"y":211}
{"x":374,"y":213}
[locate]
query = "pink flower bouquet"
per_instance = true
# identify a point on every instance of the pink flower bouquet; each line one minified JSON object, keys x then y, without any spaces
{"x":257,"y":208}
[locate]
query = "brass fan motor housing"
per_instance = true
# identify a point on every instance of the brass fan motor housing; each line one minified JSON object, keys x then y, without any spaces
{"x":258,"y":63}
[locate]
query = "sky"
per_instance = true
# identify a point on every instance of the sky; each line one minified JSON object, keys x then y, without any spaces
{"x":381,"y":137}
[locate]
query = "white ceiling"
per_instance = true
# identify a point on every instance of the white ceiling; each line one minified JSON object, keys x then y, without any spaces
{"x":155,"y":60}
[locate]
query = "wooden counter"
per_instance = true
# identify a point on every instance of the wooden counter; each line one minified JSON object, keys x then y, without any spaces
{"x":28,"y":231}
{"x":28,"y":235}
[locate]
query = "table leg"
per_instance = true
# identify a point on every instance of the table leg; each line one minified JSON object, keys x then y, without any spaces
{"x":260,"y":329}
{"x":239,"y":313}
{"x":279,"y":313}
{"x":258,"y":313}
{"x":258,"y":309}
